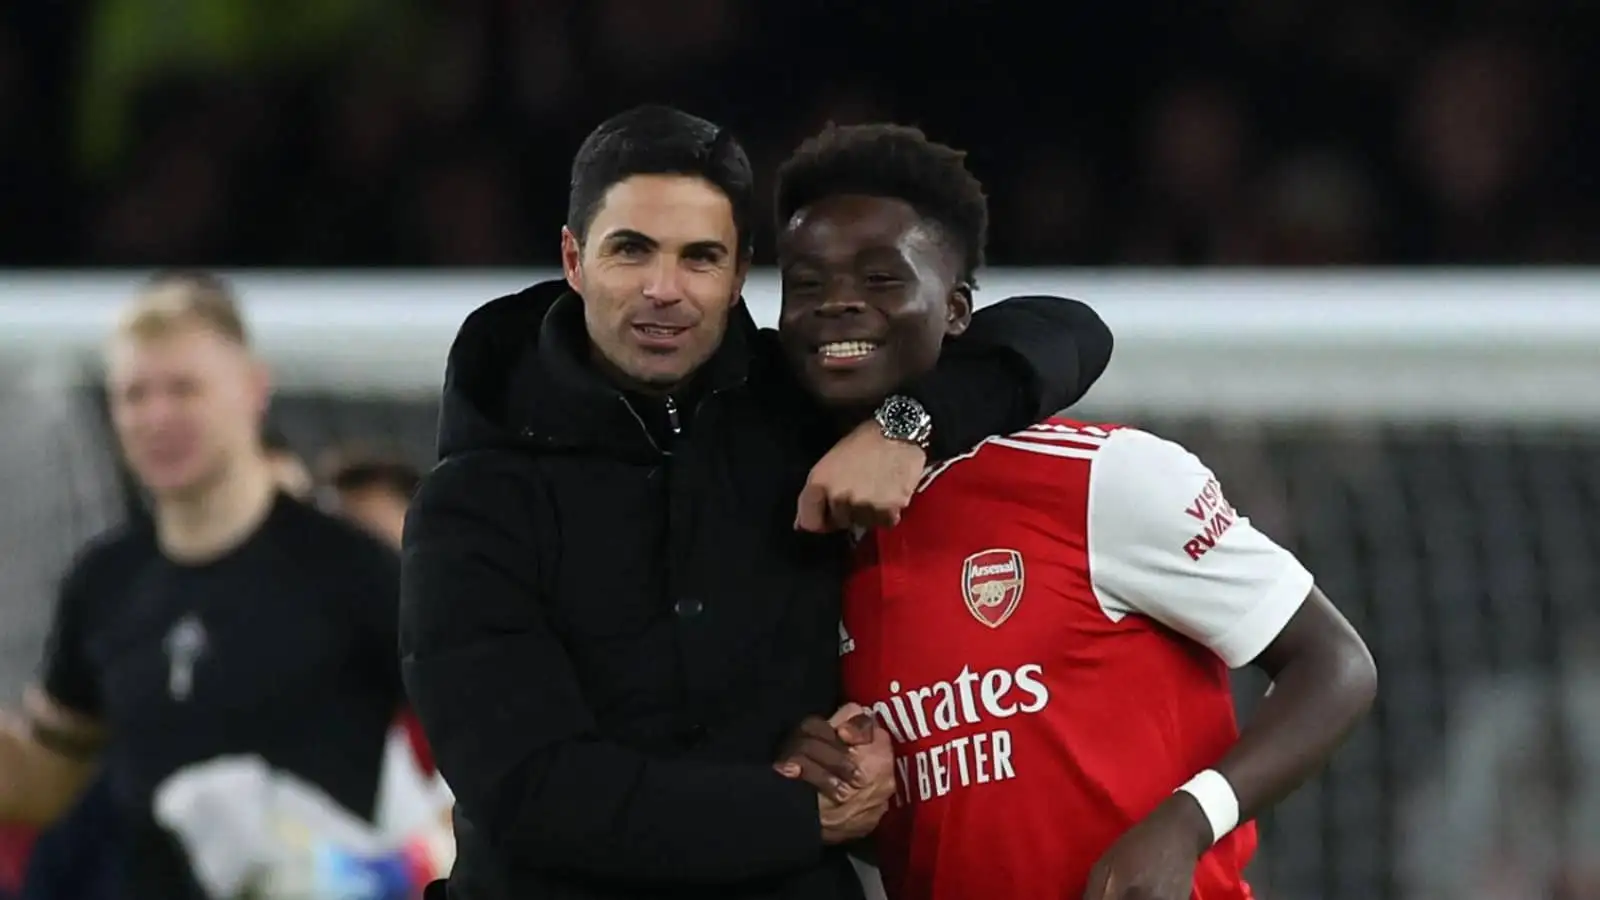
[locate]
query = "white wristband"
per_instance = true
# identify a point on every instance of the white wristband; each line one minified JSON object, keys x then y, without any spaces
{"x":1217,"y":800}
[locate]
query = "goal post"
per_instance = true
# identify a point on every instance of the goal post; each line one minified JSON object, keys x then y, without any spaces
{"x":1440,"y":345}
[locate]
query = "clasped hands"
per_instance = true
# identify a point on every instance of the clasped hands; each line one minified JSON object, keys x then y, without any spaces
{"x":850,"y":761}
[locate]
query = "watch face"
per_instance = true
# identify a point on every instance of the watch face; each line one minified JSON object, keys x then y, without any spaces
{"x":901,"y":419}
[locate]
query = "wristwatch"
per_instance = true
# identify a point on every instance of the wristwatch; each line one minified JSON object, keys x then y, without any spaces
{"x":904,"y":419}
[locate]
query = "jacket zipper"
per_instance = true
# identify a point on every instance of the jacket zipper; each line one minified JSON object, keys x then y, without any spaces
{"x":643,"y":427}
{"x":672,"y":416}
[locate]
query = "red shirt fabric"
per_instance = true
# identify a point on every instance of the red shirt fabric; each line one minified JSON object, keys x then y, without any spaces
{"x":1047,"y":635}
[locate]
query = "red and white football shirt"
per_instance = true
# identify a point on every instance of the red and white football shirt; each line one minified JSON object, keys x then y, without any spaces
{"x":1046,"y":635}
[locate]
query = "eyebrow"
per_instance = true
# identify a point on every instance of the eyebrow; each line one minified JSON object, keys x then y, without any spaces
{"x":628,"y":235}
{"x":625,"y":235}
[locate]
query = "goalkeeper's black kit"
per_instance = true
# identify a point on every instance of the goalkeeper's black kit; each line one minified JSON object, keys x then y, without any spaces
{"x":282,"y":648}
{"x":608,"y":622}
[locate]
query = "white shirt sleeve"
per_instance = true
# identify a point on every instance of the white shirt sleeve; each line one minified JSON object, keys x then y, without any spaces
{"x":1164,"y":542}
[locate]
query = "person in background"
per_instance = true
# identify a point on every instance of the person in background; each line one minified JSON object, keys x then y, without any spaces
{"x":77,"y":858}
{"x":1511,"y":809}
{"x":369,"y":489}
{"x":373,"y":490}
{"x":287,"y":465}
{"x":236,"y":621}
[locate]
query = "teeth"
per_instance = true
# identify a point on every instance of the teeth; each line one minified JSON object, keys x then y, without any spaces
{"x":660,"y":330}
{"x":847,"y":349}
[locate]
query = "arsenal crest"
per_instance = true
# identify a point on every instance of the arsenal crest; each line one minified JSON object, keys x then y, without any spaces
{"x":991,"y":582}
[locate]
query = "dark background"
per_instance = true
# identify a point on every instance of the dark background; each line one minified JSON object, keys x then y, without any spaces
{"x":439,"y":132}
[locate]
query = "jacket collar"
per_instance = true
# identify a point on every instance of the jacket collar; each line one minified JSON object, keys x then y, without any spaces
{"x":561,"y":400}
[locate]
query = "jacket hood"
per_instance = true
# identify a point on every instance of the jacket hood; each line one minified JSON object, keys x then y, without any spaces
{"x":473,"y":411}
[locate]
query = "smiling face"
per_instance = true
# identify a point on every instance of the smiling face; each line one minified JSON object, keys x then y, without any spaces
{"x":659,"y":273}
{"x":870,"y":291}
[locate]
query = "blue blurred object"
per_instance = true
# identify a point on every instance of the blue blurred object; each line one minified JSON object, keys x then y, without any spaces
{"x":346,"y":876}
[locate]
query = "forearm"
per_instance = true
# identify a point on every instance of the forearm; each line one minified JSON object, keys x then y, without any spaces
{"x":1314,"y":703}
{"x":37,"y":785}
{"x":974,"y":395}
{"x":532,"y":772}
{"x":605,"y":810}
{"x":1023,"y":359}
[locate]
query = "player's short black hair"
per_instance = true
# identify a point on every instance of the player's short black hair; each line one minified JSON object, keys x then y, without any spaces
{"x":659,"y":140}
{"x":888,"y":160}
{"x":360,"y":471}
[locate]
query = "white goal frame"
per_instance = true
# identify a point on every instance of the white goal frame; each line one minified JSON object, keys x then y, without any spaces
{"x":1422,"y":344}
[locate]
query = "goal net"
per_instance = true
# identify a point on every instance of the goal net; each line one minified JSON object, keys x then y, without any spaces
{"x":60,"y":486}
{"x":1437,"y":465}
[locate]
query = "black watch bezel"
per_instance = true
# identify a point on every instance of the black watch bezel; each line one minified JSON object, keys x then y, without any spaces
{"x":904,"y":419}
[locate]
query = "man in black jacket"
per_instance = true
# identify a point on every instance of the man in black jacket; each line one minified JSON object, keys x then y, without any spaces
{"x":610,"y":621}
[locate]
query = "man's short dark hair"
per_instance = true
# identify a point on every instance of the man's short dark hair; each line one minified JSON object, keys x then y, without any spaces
{"x":359,"y":471}
{"x":273,"y":440}
{"x":886,"y":160}
{"x":659,"y":140}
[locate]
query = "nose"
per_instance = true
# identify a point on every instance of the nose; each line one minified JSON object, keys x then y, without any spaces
{"x":166,"y":416}
{"x":146,"y":416}
{"x":840,"y":301}
{"x":664,"y":285}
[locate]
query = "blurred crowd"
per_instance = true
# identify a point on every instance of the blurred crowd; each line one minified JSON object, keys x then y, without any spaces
{"x":420,"y":132}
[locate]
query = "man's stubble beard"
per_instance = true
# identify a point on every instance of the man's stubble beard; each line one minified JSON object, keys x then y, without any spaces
{"x":624,"y":376}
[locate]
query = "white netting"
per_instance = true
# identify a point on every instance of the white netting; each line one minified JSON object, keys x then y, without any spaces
{"x":60,"y":488}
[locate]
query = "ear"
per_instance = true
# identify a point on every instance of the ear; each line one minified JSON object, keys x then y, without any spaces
{"x":958,"y":309}
{"x":260,"y":386}
{"x":741,"y":272}
{"x":572,"y":260}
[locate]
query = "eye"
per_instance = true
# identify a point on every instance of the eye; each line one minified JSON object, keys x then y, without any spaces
{"x":702,"y":259}
{"x":632,"y":250}
{"x":882,"y":281}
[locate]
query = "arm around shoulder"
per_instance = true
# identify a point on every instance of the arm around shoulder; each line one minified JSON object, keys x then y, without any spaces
{"x":1020,"y":360}
{"x":505,"y":714}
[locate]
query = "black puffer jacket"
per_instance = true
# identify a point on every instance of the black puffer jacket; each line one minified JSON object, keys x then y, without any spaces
{"x":608,"y":621}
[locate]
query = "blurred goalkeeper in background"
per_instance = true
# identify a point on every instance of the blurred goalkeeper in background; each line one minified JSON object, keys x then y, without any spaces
{"x":237,"y":621}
